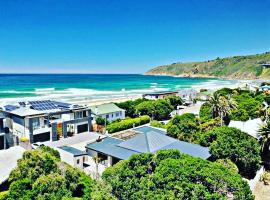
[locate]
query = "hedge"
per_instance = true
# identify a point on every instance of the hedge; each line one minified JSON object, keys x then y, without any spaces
{"x":128,"y":123}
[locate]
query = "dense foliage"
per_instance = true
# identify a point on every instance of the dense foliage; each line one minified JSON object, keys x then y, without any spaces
{"x":183,"y":127}
{"x":171,"y":175}
{"x":41,"y":175}
{"x":156,"y":109}
{"x":236,"y":67}
{"x":239,"y":147}
{"x":127,"y":123}
{"x":129,"y":106}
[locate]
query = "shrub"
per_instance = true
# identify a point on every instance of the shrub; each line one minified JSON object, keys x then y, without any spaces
{"x":171,"y":175}
{"x":157,"y":124}
{"x":205,"y":112}
{"x":238,"y":146}
{"x":128,"y":123}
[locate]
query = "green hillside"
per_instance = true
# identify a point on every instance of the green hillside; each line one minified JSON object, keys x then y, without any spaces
{"x":236,"y":67}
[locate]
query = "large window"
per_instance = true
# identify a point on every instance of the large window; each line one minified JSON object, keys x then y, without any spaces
{"x":78,"y":115}
{"x":36,"y":123}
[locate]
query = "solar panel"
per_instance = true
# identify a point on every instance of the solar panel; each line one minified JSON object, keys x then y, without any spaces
{"x":22,"y":103}
{"x":43,"y":105}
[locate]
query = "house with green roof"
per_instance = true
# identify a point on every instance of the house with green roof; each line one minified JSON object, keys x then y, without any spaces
{"x":108,"y":111}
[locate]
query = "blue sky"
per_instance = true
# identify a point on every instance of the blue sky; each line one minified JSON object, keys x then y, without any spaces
{"x":126,"y":36}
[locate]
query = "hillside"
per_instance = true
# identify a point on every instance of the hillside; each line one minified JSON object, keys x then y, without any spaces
{"x":236,"y":67}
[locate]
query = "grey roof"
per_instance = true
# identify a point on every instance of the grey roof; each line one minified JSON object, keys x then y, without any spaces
{"x":161,"y":92}
{"x":190,"y":149}
{"x":74,"y":151}
{"x":109,"y":146}
{"x":147,"y":141}
{"x":145,"y":129}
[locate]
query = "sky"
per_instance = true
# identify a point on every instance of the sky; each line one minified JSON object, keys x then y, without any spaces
{"x":126,"y":36}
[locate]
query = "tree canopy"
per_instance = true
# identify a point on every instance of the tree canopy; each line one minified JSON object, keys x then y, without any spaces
{"x":41,"y":175}
{"x":239,"y":147}
{"x":168,"y":174}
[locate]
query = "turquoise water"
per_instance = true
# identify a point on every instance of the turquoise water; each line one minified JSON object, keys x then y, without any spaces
{"x":91,"y":86}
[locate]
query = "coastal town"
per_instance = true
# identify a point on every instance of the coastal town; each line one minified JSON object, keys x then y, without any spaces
{"x":95,"y":138}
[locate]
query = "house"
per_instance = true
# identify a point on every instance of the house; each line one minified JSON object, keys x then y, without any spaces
{"x":39,"y":121}
{"x":160,"y":95}
{"x":73,"y":156}
{"x":146,"y":140}
{"x":265,"y":88}
{"x":188,"y":95}
{"x":108,"y":111}
{"x":250,"y":127}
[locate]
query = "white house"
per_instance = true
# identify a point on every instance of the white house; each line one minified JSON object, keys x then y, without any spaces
{"x":39,"y":121}
{"x":108,"y":111}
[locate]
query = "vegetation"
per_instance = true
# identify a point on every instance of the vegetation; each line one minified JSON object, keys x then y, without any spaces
{"x":184,"y":127}
{"x":239,"y":147}
{"x":41,"y":175}
{"x":228,"y":163}
{"x":157,"y":124}
{"x":127,"y":123}
{"x":156,"y":109}
{"x":237,"y":67}
{"x":171,"y":175}
{"x":101,"y":121}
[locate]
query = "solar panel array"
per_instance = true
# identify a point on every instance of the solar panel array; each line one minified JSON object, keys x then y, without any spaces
{"x":43,"y":105}
{"x":62,"y":105}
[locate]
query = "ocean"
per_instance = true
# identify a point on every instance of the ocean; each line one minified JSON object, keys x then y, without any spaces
{"x":14,"y":87}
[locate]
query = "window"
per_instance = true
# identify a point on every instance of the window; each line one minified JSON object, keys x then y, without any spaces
{"x":78,"y":115}
{"x":78,"y":161}
{"x":107,"y":116}
{"x":112,"y":115}
{"x":35,"y":123}
{"x":117,"y":114}
{"x":120,"y":113}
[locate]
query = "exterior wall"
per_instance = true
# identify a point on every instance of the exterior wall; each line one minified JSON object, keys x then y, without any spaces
{"x":159,"y":96}
{"x":113,"y":116}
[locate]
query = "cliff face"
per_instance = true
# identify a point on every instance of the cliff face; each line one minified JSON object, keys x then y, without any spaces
{"x":237,"y":67}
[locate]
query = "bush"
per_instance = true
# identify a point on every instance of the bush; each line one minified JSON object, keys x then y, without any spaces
{"x":183,"y":127}
{"x":228,"y":163}
{"x":157,"y":124}
{"x":128,"y":123}
{"x":205,"y":112}
{"x":238,"y":146}
{"x":158,"y":109}
{"x":171,"y":175}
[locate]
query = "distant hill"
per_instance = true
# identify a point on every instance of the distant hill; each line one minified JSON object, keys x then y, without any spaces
{"x":236,"y":67}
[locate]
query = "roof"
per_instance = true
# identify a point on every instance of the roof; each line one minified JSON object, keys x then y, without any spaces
{"x":148,"y":140}
{"x":24,"y":111}
{"x":31,"y":108}
{"x":72,"y":150}
{"x":145,"y":129}
{"x":250,"y":127}
{"x":105,"y":108}
{"x":109,"y":146}
{"x":74,"y":140}
{"x":8,"y":161}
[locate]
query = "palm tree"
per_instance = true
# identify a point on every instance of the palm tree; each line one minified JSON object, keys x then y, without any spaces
{"x":264,"y":131}
{"x":221,"y":106}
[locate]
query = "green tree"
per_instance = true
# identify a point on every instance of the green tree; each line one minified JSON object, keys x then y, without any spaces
{"x":238,"y":146}
{"x":171,"y":175}
{"x":183,"y":127}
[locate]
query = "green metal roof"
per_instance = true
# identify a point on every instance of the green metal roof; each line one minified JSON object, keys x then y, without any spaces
{"x":105,"y":109}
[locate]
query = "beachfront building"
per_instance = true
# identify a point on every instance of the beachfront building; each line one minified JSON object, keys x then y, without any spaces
{"x":108,"y":111}
{"x":160,"y":95}
{"x":188,"y":95}
{"x":144,"y":139}
{"x":39,"y":121}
